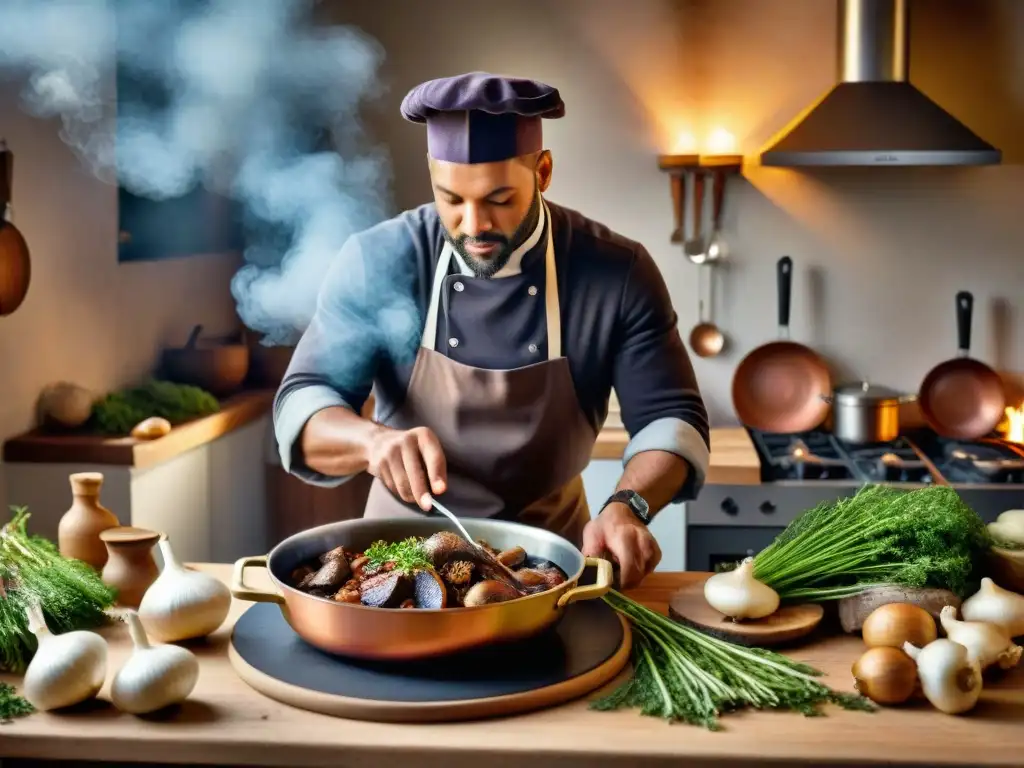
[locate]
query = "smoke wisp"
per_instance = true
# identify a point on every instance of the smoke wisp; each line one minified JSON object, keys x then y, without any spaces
{"x":236,"y":95}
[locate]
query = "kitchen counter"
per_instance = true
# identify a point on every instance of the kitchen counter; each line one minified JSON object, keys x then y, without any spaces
{"x":734,"y":460}
{"x":227,"y":723}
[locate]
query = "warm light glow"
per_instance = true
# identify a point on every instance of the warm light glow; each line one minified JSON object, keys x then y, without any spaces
{"x":721,"y":142}
{"x":1015,"y":423}
{"x":686,"y":143}
{"x":798,"y":453}
{"x":717,"y":142}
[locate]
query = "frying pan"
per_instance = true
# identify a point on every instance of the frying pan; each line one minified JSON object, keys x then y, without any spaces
{"x":962,"y":398}
{"x":15,"y":266}
{"x":782,"y":386}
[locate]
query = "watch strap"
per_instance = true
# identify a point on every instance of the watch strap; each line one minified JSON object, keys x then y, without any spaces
{"x":636,"y":503}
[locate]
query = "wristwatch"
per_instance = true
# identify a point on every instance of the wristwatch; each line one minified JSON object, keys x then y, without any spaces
{"x":636,"y":503}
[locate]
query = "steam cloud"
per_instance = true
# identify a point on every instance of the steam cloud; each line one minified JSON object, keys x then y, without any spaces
{"x":245,"y":81}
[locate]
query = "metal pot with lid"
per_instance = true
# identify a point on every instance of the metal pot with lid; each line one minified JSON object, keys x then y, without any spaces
{"x":866,"y":413}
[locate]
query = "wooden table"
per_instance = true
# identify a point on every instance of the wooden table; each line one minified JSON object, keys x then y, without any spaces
{"x":227,"y":723}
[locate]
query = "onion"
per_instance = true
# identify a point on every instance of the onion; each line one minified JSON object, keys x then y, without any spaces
{"x":894,"y":624}
{"x":885,"y":675}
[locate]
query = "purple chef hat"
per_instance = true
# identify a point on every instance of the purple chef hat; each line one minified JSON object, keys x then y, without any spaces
{"x":482,"y":118}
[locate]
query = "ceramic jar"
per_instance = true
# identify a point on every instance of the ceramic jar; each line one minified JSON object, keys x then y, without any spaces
{"x":78,"y":533}
{"x":131,"y":567}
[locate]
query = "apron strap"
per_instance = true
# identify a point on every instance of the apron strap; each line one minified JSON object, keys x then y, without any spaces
{"x":552,"y":311}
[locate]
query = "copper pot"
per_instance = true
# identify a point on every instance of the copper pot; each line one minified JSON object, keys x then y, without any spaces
{"x":350,"y":629}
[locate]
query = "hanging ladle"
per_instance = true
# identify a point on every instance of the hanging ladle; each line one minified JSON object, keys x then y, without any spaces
{"x":706,"y":338}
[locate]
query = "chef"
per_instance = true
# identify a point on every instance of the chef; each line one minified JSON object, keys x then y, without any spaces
{"x":492,"y":325}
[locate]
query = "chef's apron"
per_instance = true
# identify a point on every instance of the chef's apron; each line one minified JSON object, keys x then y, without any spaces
{"x":516,"y":441}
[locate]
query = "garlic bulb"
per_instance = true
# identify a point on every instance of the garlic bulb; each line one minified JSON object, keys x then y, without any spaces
{"x":950,"y":679}
{"x":1009,"y":526}
{"x":986,"y":643}
{"x":995,"y":605}
{"x":155,"y":676}
{"x":738,"y":595}
{"x":66,"y":669}
{"x":182,"y":604}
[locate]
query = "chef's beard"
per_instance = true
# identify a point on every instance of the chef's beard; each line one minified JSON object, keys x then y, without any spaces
{"x":487,"y":268}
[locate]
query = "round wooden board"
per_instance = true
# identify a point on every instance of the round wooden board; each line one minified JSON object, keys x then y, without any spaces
{"x":277,"y":659}
{"x":790,"y":622}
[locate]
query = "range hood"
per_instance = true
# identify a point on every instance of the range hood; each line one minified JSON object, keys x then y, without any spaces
{"x":874,"y":116}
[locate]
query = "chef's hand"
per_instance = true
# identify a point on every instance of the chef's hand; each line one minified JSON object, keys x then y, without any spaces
{"x":618,"y":533}
{"x":405,"y":459}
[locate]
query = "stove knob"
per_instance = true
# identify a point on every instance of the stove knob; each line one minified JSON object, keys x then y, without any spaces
{"x":730,"y":507}
{"x":767,"y":508}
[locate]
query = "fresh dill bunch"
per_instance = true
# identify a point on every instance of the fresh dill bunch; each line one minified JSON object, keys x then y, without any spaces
{"x":407,"y":555}
{"x":683,"y":675}
{"x":71,"y":592}
{"x":881,"y":535}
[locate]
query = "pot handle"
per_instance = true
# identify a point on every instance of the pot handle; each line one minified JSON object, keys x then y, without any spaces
{"x":599,"y":588}
{"x":242,"y":592}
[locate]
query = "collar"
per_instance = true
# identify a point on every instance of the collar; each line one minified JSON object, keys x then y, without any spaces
{"x":515,"y":262}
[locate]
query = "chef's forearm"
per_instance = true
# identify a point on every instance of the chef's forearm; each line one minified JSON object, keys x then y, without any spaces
{"x":656,"y":475}
{"x":336,"y":442}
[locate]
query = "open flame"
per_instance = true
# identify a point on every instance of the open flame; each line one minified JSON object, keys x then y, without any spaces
{"x":1014,"y":430}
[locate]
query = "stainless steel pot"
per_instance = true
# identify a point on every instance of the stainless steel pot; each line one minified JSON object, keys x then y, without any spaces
{"x":351,"y":629}
{"x":866,"y":413}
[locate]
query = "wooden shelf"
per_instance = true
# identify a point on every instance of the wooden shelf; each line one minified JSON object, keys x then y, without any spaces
{"x":82,"y":448}
{"x":683,"y":163}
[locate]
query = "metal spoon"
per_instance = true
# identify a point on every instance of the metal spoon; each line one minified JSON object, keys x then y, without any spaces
{"x":696,"y":248}
{"x":455,"y":521}
{"x":716,"y":246}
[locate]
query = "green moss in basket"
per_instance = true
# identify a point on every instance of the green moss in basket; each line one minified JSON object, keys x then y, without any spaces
{"x":118,"y":412}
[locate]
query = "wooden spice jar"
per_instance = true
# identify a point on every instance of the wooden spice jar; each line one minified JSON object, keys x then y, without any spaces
{"x":131,"y":567}
{"x":78,"y":533}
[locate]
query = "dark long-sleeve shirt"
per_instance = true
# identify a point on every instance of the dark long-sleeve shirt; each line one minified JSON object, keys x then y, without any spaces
{"x":619,"y":330}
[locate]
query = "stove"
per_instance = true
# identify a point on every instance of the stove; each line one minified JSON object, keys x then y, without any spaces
{"x":799,"y":471}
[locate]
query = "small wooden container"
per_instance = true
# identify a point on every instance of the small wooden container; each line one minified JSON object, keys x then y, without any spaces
{"x":131,"y":567}
{"x":78,"y":533}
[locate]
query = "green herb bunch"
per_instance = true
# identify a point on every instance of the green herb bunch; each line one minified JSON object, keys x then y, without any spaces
{"x":683,"y":675}
{"x":71,"y":592}
{"x":118,"y":412}
{"x":406,"y":555}
{"x":882,"y":535}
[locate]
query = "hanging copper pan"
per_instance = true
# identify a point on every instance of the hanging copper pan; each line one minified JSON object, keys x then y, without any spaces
{"x":783,"y":386}
{"x":15,"y":266}
{"x":962,"y":398}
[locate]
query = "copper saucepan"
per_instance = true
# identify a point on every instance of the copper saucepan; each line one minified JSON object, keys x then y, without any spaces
{"x":782,"y":386}
{"x":351,"y":629}
{"x":962,"y":398}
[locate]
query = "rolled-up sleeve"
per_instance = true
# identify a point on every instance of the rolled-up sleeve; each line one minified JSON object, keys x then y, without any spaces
{"x":334,"y":362}
{"x":661,"y":405}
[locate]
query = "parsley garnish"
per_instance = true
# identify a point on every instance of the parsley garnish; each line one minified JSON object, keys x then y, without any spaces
{"x":407,"y":555}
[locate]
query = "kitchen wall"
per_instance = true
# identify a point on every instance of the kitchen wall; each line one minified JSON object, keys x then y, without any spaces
{"x":878,"y":253}
{"x":86,"y":318}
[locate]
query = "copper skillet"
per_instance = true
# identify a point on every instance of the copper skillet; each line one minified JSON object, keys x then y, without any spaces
{"x":782,"y":386}
{"x":962,"y":398}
